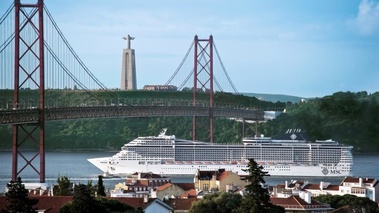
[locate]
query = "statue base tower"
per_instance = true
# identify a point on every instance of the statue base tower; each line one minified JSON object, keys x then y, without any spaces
{"x":128,"y":73}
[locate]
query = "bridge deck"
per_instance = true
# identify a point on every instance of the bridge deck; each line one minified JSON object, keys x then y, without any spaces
{"x":24,"y":116}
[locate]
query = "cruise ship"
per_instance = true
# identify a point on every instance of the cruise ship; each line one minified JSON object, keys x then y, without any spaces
{"x":289,"y":154}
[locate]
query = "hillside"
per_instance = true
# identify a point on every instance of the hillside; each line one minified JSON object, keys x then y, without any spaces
{"x":350,"y":118}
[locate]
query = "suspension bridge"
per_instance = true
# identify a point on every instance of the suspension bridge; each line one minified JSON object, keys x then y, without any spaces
{"x":42,"y":76}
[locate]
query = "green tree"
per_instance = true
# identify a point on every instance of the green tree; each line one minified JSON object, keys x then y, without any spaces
{"x":257,"y":198}
{"x":115,"y":206}
{"x":82,"y":201}
{"x":100,"y":186}
{"x":17,"y":198}
{"x":63,"y":186}
{"x":356,"y":204}
{"x":222,"y":202}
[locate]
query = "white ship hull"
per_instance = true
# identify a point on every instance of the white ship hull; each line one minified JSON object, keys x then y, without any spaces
{"x":184,"y":168}
{"x":290,"y":154}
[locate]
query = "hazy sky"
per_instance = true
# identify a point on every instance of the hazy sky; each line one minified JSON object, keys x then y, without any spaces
{"x":293,"y":47}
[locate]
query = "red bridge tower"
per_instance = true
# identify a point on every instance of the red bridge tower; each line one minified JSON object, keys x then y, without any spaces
{"x":29,"y":70}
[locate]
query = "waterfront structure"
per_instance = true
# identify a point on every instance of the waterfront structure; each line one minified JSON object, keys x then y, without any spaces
{"x":290,"y":154}
{"x":128,"y":72}
{"x":358,"y":186}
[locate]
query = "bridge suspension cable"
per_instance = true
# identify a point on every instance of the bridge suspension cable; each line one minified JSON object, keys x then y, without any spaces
{"x":180,"y":65}
{"x":223,"y":68}
{"x":76,"y":57}
{"x":204,"y":66}
{"x":9,"y":39}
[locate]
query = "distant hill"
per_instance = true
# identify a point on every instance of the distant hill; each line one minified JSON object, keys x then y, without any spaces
{"x":275,"y":97}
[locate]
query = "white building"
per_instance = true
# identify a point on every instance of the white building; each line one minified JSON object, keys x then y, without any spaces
{"x":358,"y":186}
{"x":130,"y":190}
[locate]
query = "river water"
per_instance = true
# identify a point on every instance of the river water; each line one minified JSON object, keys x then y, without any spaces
{"x":75,"y":166}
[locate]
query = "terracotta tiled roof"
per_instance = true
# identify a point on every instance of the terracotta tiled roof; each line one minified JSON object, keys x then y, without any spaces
{"x":186,"y":186}
{"x":303,"y":203}
{"x":284,"y":201}
{"x":356,"y":180}
{"x":133,"y":202}
{"x":343,"y":209}
{"x":295,"y":201}
{"x":333,"y":188}
{"x":137,"y":202}
{"x":317,"y":187}
{"x":189,"y":193}
{"x":54,"y":203}
{"x":50,"y":204}
{"x":222,"y":175}
{"x":181,"y":204}
{"x":164,"y":186}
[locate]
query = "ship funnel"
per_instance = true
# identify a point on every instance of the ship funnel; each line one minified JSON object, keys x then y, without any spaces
{"x":163,"y":132}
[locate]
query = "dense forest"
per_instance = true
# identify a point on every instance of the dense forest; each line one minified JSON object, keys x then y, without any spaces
{"x":350,"y":118}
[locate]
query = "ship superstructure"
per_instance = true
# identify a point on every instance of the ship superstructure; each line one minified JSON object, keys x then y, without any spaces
{"x":290,"y":154}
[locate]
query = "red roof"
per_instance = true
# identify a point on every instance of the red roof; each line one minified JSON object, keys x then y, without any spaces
{"x":223,"y":175}
{"x":181,"y":204}
{"x":164,"y":187}
{"x":356,"y":180}
{"x":189,"y":193}
{"x":296,"y":201}
{"x":54,"y":203}
{"x":133,"y":202}
{"x":317,"y":187}
{"x":136,"y":202}
{"x":186,"y":186}
{"x":50,"y":204}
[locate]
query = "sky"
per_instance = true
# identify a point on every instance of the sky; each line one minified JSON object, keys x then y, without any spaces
{"x":303,"y":48}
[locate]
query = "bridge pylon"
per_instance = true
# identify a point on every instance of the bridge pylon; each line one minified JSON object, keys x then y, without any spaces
{"x":203,"y":64}
{"x":29,"y":73}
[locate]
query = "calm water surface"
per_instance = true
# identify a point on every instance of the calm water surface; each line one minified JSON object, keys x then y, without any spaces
{"x":75,"y":166}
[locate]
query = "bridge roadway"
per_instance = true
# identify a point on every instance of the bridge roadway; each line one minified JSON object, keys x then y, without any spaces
{"x":25,"y":116}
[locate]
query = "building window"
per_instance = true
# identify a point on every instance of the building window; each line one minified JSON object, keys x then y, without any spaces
{"x":205,"y":187}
